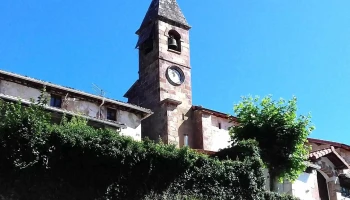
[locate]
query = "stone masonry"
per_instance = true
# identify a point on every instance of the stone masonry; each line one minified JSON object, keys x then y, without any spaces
{"x":171,"y":104}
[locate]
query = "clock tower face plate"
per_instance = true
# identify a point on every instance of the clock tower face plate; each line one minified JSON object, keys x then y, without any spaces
{"x":175,"y":75}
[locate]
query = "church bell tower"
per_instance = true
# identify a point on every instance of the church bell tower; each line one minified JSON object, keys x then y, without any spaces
{"x":164,"y":83}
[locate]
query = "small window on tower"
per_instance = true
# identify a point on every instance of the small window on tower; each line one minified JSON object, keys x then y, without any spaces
{"x":174,"y":41}
{"x":111,"y":114}
{"x":148,"y":38}
{"x":56,"y":101}
{"x":147,"y":46}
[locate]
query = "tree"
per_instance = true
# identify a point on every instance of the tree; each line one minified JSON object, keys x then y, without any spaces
{"x":281,"y":135}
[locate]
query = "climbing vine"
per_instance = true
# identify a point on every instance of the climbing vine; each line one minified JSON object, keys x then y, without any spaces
{"x":71,"y":160}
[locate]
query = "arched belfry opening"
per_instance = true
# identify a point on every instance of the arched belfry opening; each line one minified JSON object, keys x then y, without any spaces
{"x":174,"y":41}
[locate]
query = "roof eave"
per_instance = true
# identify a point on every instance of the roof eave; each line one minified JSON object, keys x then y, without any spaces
{"x":331,"y":154}
{"x":44,"y":83}
{"x":215,"y":113}
{"x":335,"y":144}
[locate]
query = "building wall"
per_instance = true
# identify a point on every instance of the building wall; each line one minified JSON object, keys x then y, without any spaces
{"x":344,"y":153}
{"x":305,"y":187}
{"x":183,"y":58}
{"x":169,"y":121}
{"x":215,"y":138}
{"x":132,"y":121}
{"x":83,"y":107}
{"x":20,"y":91}
{"x":179,"y":116}
{"x":340,"y":197}
{"x":197,"y":129}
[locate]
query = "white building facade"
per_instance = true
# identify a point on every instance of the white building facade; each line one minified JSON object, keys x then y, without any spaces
{"x":100,"y":112}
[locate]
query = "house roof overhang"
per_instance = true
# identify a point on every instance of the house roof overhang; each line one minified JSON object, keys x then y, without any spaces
{"x":334,"y":144}
{"x":332,"y":155}
{"x":215,"y":113}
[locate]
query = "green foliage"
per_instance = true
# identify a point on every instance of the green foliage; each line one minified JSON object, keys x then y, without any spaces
{"x":170,"y":196}
{"x":275,"y":196}
{"x":40,"y":160}
{"x":281,"y":135}
{"x":240,"y":150}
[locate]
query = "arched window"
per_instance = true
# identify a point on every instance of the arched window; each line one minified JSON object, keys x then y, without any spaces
{"x":174,"y":41}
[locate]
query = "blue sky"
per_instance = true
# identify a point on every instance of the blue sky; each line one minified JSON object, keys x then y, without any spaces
{"x":255,"y":47}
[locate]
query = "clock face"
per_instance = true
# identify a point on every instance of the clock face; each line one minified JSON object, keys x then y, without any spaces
{"x":175,"y":75}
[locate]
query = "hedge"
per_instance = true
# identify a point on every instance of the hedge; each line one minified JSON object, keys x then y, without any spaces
{"x":71,"y":160}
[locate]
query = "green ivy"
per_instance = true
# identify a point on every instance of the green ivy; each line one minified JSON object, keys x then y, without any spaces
{"x":71,"y":160}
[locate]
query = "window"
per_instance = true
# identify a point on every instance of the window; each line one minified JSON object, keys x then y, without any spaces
{"x":56,"y":101}
{"x":111,"y":114}
{"x":345,"y":192}
{"x":185,"y":140}
{"x":219,"y":125}
{"x":147,"y":46}
{"x":174,"y":41}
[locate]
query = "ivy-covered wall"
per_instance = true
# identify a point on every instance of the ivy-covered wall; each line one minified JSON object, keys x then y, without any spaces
{"x":44,"y":161}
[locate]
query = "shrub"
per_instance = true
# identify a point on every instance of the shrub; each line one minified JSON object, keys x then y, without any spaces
{"x":71,"y":160}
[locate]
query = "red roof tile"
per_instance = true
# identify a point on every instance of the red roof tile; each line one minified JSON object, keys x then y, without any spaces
{"x":319,"y":153}
{"x":332,"y":155}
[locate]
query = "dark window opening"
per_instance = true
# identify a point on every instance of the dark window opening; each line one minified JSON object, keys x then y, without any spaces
{"x":147,"y":46}
{"x":219,"y":125}
{"x":345,"y":192}
{"x":56,"y":101}
{"x":322,"y":187}
{"x":111,"y":114}
{"x":174,"y":41}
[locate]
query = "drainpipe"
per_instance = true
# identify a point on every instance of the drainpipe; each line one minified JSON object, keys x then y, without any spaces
{"x":99,"y":108}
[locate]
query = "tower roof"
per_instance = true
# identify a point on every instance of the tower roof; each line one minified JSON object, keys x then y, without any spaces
{"x":166,"y":10}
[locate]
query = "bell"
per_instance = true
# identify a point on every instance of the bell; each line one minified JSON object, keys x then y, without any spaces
{"x":172,"y":43}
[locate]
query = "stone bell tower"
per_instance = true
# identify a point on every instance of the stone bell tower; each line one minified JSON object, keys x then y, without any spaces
{"x":164,"y":83}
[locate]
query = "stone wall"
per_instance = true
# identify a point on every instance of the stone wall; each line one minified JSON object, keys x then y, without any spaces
{"x":18,"y":90}
{"x":344,"y":154}
{"x":170,"y":121}
{"x":215,"y":137}
{"x":211,"y":133}
{"x":197,"y":129}
{"x":179,"y":116}
{"x":305,"y":187}
{"x":182,"y":58}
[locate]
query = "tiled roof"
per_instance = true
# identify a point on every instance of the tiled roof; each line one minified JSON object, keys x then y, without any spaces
{"x":332,"y":155}
{"x":335,"y":144}
{"x":319,"y":153}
